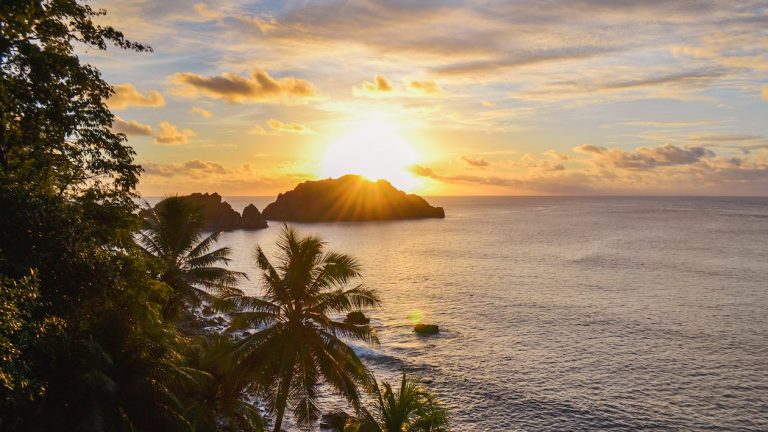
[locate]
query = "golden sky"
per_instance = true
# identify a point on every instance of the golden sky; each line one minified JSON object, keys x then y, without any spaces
{"x":445,"y":97}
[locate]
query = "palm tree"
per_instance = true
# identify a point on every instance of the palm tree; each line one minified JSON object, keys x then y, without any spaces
{"x":410,"y":408}
{"x":222,"y":399}
{"x":300,"y":343}
{"x":172,"y":233}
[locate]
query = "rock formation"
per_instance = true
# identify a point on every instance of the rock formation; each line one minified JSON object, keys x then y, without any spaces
{"x":220,"y":216}
{"x":348,"y":198}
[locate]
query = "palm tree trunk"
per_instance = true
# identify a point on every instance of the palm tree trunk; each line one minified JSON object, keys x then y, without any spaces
{"x":282,"y":399}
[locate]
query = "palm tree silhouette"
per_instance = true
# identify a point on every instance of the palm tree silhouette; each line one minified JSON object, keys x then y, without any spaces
{"x":173,"y":234}
{"x":410,"y":408}
{"x":301,"y":342}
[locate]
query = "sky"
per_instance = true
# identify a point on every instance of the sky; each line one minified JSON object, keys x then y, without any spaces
{"x":476,"y":97}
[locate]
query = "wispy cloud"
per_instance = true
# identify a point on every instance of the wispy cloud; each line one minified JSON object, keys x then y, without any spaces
{"x":202,"y":112}
{"x":381,"y":87}
{"x":474,"y":162}
{"x":277,"y":125}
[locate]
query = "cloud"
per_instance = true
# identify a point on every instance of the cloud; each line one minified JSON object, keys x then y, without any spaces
{"x":616,"y":171}
{"x":204,"y":11}
{"x":530,"y":161}
{"x":198,"y":175}
{"x":381,"y":87}
{"x":378,"y":86}
{"x":259,"y":87}
{"x":424,"y":87}
{"x":523,"y":57}
{"x":170,"y":135}
{"x":741,"y":142}
{"x":194,"y":168}
{"x":548,"y":182}
{"x":126,"y":95}
{"x":279,"y":126}
{"x":475,"y":163}
{"x":667,"y":84}
{"x":589,"y":148}
{"x":130,"y":127}
{"x":421,"y":171}
{"x":645,"y":158}
{"x":276,"y":127}
{"x":258,"y":130}
{"x":556,"y":155}
{"x":765,"y":92}
{"x":737,"y":50}
{"x":202,"y":112}
{"x":669,"y":124}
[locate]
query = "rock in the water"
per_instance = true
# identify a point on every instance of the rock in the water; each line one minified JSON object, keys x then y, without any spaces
{"x":252,"y":218}
{"x":348,"y":198}
{"x":334,"y":421}
{"x":220,"y":216}
{"x":426,"y":329}
{"x":357,"y":317}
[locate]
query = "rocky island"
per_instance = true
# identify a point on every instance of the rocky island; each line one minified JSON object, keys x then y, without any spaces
{"x":349,"y":198}
{"x":220,"y":216}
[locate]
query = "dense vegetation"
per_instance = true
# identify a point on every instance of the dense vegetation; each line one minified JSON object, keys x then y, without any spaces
{"x":93,"y":297}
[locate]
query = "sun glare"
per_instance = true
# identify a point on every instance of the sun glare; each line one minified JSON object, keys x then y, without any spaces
{"x":373,"y":150}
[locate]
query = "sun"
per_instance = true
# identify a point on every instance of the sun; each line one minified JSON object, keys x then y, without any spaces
{"x":373,"y":150}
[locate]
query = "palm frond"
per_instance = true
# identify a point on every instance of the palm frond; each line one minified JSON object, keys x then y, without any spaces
{"x":363,"y":333}
{"x":218,"y":256}
{"x":252,"y":320}
{"x":205,"y":245}
{"x":246,"y":304}
{"x":342,"y":301}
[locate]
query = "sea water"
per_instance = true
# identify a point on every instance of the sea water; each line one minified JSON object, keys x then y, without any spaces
{"x":567,"y":313}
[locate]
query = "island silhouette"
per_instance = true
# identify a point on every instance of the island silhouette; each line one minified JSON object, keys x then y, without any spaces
{"x":350,"y":198}
{"x":218,"y":215}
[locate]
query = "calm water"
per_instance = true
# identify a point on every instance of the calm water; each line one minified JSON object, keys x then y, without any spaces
{"x":570,"y":313}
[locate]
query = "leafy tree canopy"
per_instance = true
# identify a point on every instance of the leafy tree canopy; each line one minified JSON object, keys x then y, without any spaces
{"x":54,"y":123}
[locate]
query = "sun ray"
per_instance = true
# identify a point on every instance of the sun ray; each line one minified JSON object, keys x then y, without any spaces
{"x":374,"y":150}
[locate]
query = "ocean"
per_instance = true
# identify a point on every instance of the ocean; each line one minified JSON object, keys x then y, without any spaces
{"x":610,"y":313}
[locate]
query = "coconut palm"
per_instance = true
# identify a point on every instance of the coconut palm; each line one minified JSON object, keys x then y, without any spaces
{"x":222,"y":399}
{"x":300,"y":343}
{"x":410,"y":408}
{"x":173,"y":234}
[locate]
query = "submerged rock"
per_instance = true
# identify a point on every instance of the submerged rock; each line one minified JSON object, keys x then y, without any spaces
{"x":426,"y":329}
{"x":220,"y":216}
{"x":334,"y":421}
{"x":357,"y":317}
{"x":349,"y":198}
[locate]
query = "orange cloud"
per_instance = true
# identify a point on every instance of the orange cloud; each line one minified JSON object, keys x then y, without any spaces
{"x":424,"y":87}
{"x":474,"y":163}
{"x":259,"y":87}
{"x":279,"y":126}
{"x":130,"y":127}
{"x":170,"y":135}
{"x":556,"y":155}
{"x":126,"y":95}
{"x":202,"y":112}
{"x":378,"y":86}
{"x":381,"y":87}
{"x":645,"y":158}
{"x":204,"y":11}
